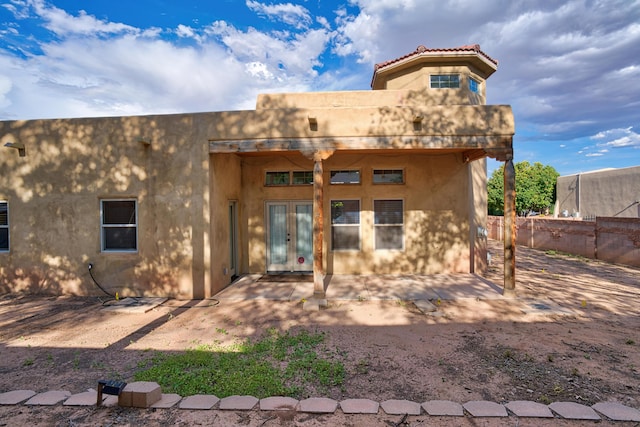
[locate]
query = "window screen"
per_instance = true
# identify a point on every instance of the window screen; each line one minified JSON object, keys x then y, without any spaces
{"x":345,"y":224}
{"x":388,"y":224}
{"x":119,"y":224}
{"x":277,"y":178}
{"x":302,"y":177}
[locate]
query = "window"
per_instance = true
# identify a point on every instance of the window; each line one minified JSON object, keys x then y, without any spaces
{"x":4,"y":227}
{"x":302,"y":177}
{"x":474,"y":85}
{"x":388,"y":224}
{"x":119,"y":223}
{"x":277,"y":178}
{"x":345,"y":224}
{"x":439,"y":81}
{"x":388,"y":176}
{"x":345,"y":177}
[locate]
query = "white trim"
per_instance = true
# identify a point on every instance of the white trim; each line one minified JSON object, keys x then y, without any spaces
{"x":136,"y":225}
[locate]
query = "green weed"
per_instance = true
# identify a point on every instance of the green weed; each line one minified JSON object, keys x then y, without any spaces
{"x":278,"y":364}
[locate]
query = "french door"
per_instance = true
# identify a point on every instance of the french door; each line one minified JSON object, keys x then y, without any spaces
{"x":289,"y":236}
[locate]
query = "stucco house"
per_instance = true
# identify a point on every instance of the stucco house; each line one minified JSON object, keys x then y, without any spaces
{"x":386,"y":181}
{"x":606,"y":192}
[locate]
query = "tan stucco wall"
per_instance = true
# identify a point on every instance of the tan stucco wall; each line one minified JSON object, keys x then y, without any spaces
{"x":226,"y":186}
{"x":436,"y":204}
{"x":478,"y":215}
{"x":608,"y":193}
{"x":54,"y":195}
{"x":419,"y":78}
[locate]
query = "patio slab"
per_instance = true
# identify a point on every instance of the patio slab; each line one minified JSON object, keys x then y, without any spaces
{"x":16,"y":396}
{"x":411,"y":287}
{"x":617,"y":412}
{"x":525,"y":408}
{"x":574,"y":411}
{"x":49,"y":398}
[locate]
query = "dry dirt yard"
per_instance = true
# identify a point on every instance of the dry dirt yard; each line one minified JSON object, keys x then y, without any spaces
{"x":584,"y":348}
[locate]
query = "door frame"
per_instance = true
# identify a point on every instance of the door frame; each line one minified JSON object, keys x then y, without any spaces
{"x":295,"y":263}
{"x":233,"y":238}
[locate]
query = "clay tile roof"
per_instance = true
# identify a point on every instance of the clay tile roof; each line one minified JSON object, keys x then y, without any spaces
{"x":422,"y":49}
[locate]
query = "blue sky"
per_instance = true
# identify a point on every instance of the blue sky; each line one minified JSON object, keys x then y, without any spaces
{"x":570,"y":70}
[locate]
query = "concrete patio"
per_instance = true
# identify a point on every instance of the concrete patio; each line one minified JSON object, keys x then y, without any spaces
{"x":289,"y":287}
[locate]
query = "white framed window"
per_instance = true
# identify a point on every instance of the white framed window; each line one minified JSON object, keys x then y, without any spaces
{"x":388,"y":220}
{"x":440,"y":81}
{"x":474,"y":85}
{"x":388,"y":176}
{"x":345,"y":176}
{"x":4,"y":226}
{"x":345,"y":225}
{"x":119,"y":225}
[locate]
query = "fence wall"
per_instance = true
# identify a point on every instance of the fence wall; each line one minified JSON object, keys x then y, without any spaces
{"x":615,"y":240}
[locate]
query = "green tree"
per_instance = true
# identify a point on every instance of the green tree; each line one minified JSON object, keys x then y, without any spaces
{"x":535,"y":188}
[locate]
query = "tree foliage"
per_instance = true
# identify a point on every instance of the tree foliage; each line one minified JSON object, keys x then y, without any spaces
{"x":535,"y":188}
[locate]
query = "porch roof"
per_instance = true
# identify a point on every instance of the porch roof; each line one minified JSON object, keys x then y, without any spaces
{"x":477,"y":130}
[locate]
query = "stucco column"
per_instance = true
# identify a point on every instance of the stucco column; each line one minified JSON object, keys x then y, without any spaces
{"x":509,"y":228}
{"x":318,"y":223}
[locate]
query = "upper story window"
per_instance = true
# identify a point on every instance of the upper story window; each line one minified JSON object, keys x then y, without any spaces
{"x":119,"y":225}
{"x":302,"y":177}
{"x":439,"y":81}
{"x":345,"y":177}
{"x":4,"y":226}
{"x":288,"y":178}
{"x":474,"y":85}
{"x":277,"y":178}
{"x":388,"y":176}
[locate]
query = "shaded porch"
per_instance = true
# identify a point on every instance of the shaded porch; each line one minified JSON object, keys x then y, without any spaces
{"x":409,"y":287}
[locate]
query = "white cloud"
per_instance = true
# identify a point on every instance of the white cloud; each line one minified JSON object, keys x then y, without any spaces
{"x":617,"y":138}
{"x":61,"y":23}
{"x":291,"y":14}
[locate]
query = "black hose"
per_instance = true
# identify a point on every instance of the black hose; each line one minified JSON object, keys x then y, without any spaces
{"x":98,"y":284}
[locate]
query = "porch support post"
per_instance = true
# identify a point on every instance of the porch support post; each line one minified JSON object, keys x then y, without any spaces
{"x":509,"y":228}
{"x":318,"y":223}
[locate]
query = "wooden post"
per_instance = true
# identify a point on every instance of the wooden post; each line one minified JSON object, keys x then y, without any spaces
{"x":509,"y":228}
{"x":318,"y":223}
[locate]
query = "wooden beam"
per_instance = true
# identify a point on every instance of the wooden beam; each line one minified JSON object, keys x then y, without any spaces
{"x":496,"y":146}
{"x":318,"y":223}
{"x":509,"y":229}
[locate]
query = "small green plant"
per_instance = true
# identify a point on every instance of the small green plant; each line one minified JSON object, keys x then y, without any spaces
{"x":28,"y":362}
{"x":363,"y":366}
{"x":544,"y":399}
{"x":222,"y":331}
{"x":97,"y":364}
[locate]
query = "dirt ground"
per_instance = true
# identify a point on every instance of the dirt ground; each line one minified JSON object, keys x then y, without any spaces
{"x":580,"y":343}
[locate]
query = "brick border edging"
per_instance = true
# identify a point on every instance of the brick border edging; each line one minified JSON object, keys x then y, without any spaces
{"x":319,"y":405}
